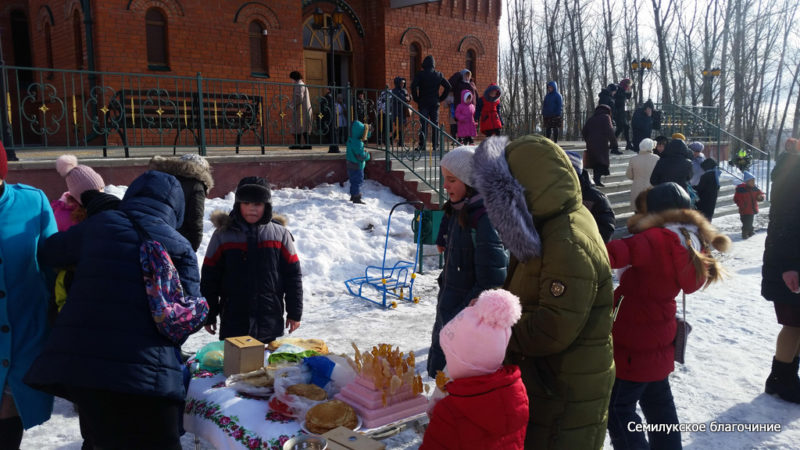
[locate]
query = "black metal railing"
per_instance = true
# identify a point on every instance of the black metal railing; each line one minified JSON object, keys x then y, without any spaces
{"x":402,"y":131}
{"x":46,"y":108}
{"x":701,"y":123}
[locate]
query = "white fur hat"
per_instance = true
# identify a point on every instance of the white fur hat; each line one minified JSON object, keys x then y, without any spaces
{"x":459,"y":162}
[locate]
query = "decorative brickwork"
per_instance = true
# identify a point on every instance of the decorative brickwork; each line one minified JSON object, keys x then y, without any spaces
{"x":212,"y":37}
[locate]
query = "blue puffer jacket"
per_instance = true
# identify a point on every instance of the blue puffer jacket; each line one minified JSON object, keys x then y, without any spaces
{"x":553,"y":104}
{"x":475,"y":261}
{"x":26,"y":220}
{"x":105,"y":337}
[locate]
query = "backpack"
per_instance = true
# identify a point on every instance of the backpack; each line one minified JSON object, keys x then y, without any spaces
{"x":175,"y":314}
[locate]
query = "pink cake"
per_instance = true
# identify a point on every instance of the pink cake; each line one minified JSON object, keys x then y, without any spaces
{"x":369,"y":401}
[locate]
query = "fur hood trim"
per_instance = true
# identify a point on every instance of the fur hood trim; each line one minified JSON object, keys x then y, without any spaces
{"x":180,"y":168}
{"x":504,"y":199}
{"x":223,"y":220}
{"x":709,"y":235}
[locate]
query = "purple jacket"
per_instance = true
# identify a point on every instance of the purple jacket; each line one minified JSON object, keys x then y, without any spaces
{"x":465,"y":112}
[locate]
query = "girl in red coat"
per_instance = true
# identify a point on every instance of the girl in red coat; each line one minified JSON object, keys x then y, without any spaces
{"x":487,"y":405}
{"x":668,"y":252}
{"x":746,"y":198}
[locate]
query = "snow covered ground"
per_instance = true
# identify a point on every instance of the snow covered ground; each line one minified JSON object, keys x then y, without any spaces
{"x":729,"y":354}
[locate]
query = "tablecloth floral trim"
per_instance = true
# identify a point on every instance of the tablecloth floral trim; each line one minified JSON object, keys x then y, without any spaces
{"x":230,"y":426}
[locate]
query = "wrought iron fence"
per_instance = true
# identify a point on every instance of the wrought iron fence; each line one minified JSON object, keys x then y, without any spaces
{"x":702,"y":124}
{"x":93,"y":110}
{"x":72,"y":109}
{"x":416,"y":141}
{"x":519,"y":124}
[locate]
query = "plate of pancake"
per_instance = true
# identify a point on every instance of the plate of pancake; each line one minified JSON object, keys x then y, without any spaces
{"x":326,"y":416}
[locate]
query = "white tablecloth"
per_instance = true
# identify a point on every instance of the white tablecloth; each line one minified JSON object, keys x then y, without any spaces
{"x":231,"y":420}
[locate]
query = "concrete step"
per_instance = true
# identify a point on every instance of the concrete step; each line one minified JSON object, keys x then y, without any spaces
{"x":620,"y":196}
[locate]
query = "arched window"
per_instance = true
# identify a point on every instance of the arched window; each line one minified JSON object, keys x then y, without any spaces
{"x":156,"y":28}
{"x":470,"y":62}
{"x":414,"y":59}
{"x":48,"y":42}
{"x":77,"y":38}
{"x":258,"y":49}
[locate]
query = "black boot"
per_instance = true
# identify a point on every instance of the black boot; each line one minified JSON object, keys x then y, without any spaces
{"x":356,"y":199}
{"x":10,"y":433}
{"x":783,"y":381}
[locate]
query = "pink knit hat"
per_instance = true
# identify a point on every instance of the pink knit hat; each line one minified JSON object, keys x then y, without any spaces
{"x":475,"y":341}
{"x":79,"y":178}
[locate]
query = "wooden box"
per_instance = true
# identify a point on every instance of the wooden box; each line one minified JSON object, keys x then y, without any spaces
{"x":342,"y":438}
{"x":242,"y":354}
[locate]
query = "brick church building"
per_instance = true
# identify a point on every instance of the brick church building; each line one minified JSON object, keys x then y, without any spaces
{"x":255,"y":40}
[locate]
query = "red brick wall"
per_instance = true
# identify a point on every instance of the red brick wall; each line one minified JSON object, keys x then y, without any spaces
{"x":445,"y":23}
{"x":203,"y":37}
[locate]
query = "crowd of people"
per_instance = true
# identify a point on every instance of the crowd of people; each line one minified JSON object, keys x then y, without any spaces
{"x":541,"y":349}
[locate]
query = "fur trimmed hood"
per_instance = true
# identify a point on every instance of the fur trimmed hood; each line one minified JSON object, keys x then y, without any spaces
{"x":181,"y":168}
{"x":504,"y":199}
{"x":707,"y":233}
{"x":223,"y":220}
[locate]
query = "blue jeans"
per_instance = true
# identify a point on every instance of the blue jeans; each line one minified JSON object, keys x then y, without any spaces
{"x":356,"y":180}
{"x":658,"y":407}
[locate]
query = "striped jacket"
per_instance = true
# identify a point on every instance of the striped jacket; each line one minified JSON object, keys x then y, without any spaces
{"x":251,"y":277}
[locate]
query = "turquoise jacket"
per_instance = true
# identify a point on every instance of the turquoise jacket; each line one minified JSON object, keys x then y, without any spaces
{"x":355,"y":145}
{"x":26,"y":220}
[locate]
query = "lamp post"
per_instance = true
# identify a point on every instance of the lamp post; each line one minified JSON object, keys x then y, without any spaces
{"x":335,"y":25}
{"x":708,"y":82}
{"x":640,"y":67}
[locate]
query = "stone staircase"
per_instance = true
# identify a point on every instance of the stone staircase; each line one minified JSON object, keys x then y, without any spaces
{"x":617,"y":187}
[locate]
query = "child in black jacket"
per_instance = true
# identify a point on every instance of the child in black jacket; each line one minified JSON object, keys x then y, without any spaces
{"x":251,"y":274}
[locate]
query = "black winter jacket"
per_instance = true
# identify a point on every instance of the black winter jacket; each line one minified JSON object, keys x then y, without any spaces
{"x":251,"y":277}
{"x":673,"y":165}
{"x":196,"y":182}
{"x":619,"y":104}
{"x":605,"y":98}
{"x":707,"y":192}
{"x":782,"y":247}
{"x":641,"y":127}
{"x":105,"y":337}
{"x":400,"y":91}
{"x":597,"y":203}
{"x":425,"y":87}
{"x":475,"y":260}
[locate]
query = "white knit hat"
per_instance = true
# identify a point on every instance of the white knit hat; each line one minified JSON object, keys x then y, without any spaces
{"x":647,"y":144}
{"x":459,"y":162}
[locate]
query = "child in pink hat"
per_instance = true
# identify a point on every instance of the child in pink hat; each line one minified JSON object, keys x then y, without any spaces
{"x":486,"y":405}
{"x":79,"y":178}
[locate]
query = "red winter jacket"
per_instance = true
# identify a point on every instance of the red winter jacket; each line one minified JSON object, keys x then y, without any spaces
{"x":660,"y":267}
{"x":485,"y":412}
{"x":747,"y":198}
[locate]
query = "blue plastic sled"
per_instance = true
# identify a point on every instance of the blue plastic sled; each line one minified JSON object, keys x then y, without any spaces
{"x":389,"y":283}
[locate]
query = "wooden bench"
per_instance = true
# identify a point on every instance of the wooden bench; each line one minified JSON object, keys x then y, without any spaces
{"x":164,"y":112}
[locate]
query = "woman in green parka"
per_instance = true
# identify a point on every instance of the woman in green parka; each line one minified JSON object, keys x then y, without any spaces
{"x":559,"y":268}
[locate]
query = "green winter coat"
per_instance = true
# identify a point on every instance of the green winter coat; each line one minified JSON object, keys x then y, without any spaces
{"x":560,"y":271}
{"x":356,"y":155}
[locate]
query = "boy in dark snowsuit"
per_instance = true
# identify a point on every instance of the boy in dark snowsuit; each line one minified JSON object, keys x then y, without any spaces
{"x":251,"y":274}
